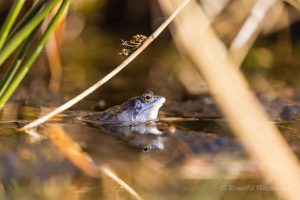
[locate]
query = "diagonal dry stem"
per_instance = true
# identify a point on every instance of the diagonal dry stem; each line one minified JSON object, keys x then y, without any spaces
{"x":262,"y":140}
{"x":106,"y":78}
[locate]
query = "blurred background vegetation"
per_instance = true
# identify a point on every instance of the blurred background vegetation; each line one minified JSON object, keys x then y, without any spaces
{"x":90,"y":41}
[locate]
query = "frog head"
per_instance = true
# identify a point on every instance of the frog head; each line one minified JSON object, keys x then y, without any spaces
{"x":146,"y":106}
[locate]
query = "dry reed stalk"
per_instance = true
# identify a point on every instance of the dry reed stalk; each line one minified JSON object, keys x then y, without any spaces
{"x":231,"y":91}
{"x":53,"y":53}
{"x":253,"y":22}
{"x":295,"y":3}
{"x":106,"y":78}
{"x":249,"y":31}
{"x":71,"y":150}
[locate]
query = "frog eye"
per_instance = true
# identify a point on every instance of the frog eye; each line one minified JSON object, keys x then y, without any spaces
{"x":147,"y":98}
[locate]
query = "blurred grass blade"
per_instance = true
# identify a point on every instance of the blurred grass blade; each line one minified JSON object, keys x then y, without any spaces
{"x":19,"y":37}
{"x":10,"y":19}
{"x":29,"y":15}
{"x":6,"y":81}
{"x":12,"y":70}
{"x":26,"y":66}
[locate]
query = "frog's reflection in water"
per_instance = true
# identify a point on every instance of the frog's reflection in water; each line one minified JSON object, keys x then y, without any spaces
{"x":150,"y":136}
{"x":143,"y":136}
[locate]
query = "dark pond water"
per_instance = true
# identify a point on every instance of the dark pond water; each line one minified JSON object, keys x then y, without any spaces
{"x":174,"y":158}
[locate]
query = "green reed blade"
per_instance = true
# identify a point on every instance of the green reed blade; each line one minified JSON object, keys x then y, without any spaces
{"x":28,"y":16}
{"x":19,"y":37}
{"x":26,"y":66}
{"x":13,"y":68}
{"x":10,"y":20}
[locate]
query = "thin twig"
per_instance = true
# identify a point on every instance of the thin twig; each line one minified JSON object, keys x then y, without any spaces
{"x":253,"y":22}
{"x":91,"y":89}
{"x":113,"y":176}
{"x":248,"y":33}
{"x":73,"y":152}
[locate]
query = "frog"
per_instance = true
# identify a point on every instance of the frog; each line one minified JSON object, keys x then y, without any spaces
{"x":138,"y":109}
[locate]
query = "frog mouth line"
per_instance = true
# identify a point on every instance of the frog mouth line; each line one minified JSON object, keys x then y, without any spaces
{"x":158,"y":103}
{"x":153,"y":106}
